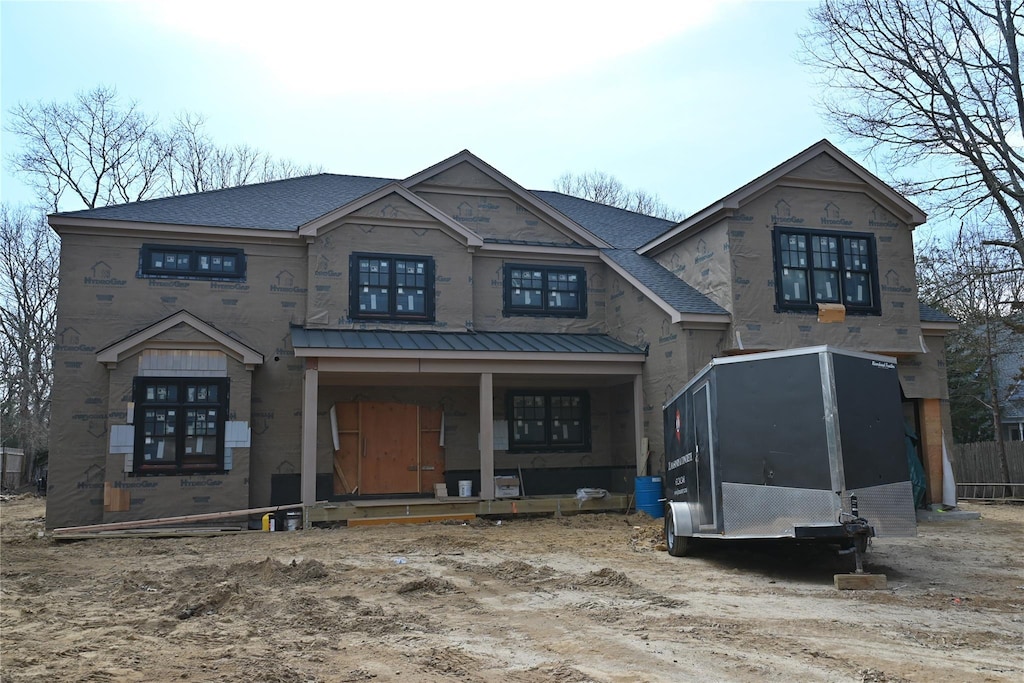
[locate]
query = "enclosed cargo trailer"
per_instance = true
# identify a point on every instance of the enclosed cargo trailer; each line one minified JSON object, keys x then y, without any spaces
{"x":805,"y":443}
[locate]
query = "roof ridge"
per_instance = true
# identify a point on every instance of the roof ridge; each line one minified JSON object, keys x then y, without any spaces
{"x":263,"y":183}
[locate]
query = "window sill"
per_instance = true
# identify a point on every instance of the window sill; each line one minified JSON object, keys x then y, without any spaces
{"x":544,"y":314}
{"x":190,"y":276}
{"x":812,"y":309}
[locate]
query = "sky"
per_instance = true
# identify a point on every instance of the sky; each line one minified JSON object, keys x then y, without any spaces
{"x":684,"y":99}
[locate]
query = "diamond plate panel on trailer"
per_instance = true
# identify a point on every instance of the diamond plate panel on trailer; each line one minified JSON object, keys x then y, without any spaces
{"x":773,"y":511}
{"x":889,"y":508}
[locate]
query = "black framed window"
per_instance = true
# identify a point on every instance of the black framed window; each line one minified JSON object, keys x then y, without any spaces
{"x":179,"y":424}
{"x":548,"y":421}
{"x":545,"y":290}
{"x":813,"y":268}
{"x":162,"y":260}
{"x":391,"y":287}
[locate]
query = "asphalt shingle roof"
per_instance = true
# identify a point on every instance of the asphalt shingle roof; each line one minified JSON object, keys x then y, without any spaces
{"x":932,"y":315}
{"x":277,"y":205}
{"x":662,"y":282}
{"x":504,"y":342}
{"x":287,"y":204}
{"x":620,"y":228}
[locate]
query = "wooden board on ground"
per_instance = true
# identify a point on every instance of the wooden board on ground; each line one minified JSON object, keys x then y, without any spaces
{"x":167,"y":521}
{"x":152,"y":533}
{"x":412,"y":519}
{"x":860,"y":582}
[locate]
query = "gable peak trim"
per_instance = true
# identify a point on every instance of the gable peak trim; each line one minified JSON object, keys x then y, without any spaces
{"x":724,"y":207}
{"x":114,"y":353}
{"x":312,"y":228}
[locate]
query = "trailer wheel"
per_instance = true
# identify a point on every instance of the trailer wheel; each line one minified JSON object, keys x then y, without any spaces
{"x":678,"y":546}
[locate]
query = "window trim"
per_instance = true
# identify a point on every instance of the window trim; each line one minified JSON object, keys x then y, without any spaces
{"x":510,"y":309}
{"x":194,"y":272}
{"x":179,"y":468}
{"x":392,"y":314}
{"x":781,"y":305}
{"x":549,"y":446}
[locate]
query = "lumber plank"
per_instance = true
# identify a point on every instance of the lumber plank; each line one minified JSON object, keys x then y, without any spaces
{"x":860,"y":582}
{"x":164,"y":521}
{"x":410,"y":519}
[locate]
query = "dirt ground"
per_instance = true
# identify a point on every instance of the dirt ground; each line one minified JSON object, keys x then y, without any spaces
{"x":573,"y":599}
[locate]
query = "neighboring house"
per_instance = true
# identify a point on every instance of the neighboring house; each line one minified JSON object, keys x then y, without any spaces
{"x":336,"y":335}
{"x":1009,"y":367}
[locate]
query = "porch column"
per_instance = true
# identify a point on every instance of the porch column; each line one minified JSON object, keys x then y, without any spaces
{"x":310,"y":385}
{"x":486,"y":436}
{"x":638,"y":425}
{"x":931,"y":447}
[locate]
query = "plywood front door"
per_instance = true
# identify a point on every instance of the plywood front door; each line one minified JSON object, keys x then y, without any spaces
{"x":388,"y":448}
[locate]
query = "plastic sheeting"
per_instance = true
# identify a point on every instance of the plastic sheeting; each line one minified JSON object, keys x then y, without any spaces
{"x":918,"y":480}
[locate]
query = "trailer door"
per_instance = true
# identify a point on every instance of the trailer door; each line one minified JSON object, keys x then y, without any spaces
{"x":704,"y":457}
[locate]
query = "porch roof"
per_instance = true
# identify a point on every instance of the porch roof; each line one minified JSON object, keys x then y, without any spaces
{"x":460,"y":342}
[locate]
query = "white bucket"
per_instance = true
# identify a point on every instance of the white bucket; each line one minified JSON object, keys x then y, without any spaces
{"x":465,"y":488}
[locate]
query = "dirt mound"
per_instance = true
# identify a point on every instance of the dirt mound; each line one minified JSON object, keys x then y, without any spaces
{"x":430,"y":585}
{"x":521,"y":572}
{"x":270,"y":570}
{"x":207,"y":603}
{"x":600,"y":578}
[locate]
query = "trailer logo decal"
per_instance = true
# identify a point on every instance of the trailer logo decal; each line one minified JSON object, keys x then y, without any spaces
{"x":679,"y":462}
{"x":887,"y":366}
{"x":679,"y":423}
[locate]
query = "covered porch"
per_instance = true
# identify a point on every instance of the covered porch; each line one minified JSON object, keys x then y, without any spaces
{"x":386,"y":415}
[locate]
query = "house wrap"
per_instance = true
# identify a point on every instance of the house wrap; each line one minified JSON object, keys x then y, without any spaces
{"x":335,"y":336}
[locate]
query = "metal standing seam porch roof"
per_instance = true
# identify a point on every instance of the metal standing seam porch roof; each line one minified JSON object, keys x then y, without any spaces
{"x":508,"y":342}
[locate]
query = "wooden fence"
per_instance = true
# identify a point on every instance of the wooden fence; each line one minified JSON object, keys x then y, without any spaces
{"x":978,"y":471}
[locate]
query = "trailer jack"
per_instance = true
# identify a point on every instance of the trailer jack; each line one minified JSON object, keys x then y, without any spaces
{"x":859,"y":531}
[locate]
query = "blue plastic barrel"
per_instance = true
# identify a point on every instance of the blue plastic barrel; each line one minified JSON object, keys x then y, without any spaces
{"x":648,"y":496}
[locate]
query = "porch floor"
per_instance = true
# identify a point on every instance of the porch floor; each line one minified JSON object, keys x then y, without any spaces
{"x":563,"y":504}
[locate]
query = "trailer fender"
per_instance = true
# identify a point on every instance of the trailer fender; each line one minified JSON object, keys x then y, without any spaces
{"x":684,"y":522}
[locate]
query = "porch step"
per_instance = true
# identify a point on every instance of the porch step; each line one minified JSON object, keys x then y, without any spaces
{"x":410,"y":519}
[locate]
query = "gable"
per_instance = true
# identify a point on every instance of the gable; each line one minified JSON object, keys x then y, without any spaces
{"x":821,"y":166}
{"x":498,"y":217}
{"x":393,"y":207}
{"x":824,"y":167}
{"x":465,"y":176}
{"x":181,"y":330}
{"x":482,"y":204}
{"x":392,"y":204}
{"x":480,"y":197}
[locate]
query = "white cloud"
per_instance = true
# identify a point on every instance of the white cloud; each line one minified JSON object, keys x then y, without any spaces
{"x":319,"y":47}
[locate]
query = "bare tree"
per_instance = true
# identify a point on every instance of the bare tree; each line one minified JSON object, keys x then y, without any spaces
{"x":600,"y":187}
{"x":95,"y":148}
{"x":981,"y":286}
{"x":29,"y":255}
{"x":196,"y":164}
{"x":98,"y":150}
{"x":934,"y":87}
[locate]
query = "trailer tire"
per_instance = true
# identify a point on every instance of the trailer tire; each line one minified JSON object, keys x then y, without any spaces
{"x":677,"y":546}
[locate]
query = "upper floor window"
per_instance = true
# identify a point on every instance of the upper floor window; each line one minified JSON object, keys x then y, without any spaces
{"x":156,"y":260}
{"x":391,"y":287}
{"x":179,"y":424}
{"x":548,"y":421}
{"x":814,"y":268}
{"x":545,"y":290}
